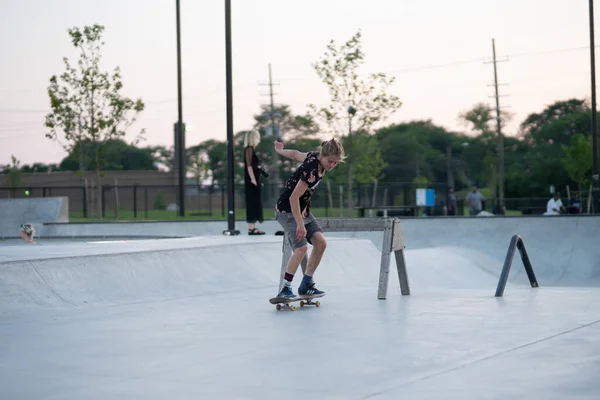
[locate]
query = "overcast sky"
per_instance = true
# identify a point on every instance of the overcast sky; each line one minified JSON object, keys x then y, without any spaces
{"x":436,"y":49}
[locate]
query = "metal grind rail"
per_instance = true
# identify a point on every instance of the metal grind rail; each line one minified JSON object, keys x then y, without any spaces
{"x":515,"y":243}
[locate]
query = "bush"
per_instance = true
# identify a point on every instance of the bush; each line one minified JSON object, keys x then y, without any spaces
{"x":159,"y":201}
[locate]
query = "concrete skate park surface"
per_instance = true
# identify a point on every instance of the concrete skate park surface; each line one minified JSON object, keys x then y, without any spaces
{"x":189,"y":317}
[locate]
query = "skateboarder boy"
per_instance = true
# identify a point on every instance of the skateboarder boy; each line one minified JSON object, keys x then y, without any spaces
{"x":293,"y":211}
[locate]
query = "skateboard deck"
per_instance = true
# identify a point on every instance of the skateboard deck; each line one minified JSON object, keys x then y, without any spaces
{"x":305,"y":300}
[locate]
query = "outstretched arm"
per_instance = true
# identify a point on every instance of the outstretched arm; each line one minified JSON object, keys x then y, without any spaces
{"x":293,"y":154}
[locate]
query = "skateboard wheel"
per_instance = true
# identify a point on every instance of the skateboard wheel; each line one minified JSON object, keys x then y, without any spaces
{"x":302,"y":303}
{"x":278,"y":307}
{"x":292,"y":307}
{"x":318,"y":303}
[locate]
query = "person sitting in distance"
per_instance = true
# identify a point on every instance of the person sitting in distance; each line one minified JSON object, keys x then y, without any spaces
{"x":555,"y":205}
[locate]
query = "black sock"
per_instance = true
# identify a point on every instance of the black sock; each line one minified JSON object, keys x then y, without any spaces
{"x":288,"y":279}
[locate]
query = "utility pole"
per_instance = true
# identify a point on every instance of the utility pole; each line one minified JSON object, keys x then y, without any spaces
{"x":500,"y":157}
{"x":276,"y":136}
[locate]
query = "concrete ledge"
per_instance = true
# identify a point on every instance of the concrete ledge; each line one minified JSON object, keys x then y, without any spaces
{"x":35,"y":211}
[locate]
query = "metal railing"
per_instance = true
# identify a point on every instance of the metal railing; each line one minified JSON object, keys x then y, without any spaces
{"x":148,"y":201}
{"x":515,"y":243}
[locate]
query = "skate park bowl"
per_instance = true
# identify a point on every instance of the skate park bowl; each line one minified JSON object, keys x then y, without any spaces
{"x":117,"y":313}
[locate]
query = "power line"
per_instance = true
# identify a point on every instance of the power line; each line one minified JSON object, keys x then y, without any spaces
{"x":535,"y":53}
{"x":397,"y":71}
{"x":434,"y":66}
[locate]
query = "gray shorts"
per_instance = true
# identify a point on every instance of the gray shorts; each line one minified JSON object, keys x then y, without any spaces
{"x":289,"y":225}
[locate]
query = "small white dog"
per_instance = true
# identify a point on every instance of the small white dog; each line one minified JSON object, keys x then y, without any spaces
{"x":27,"y":232}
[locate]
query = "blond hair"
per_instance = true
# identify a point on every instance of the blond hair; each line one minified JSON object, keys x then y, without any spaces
{"x":252,"y":138}
{"x":332,"y":147}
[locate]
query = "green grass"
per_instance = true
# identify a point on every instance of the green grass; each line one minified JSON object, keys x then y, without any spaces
{"x":513,"y":213}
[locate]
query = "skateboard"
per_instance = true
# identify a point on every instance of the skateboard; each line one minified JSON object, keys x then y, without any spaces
{"x":285,"y":303}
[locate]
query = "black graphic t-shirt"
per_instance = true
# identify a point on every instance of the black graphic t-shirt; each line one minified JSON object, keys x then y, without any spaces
{"x":310,"y":173}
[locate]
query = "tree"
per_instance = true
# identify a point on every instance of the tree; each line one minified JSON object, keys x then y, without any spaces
{"x":417,"y":151}
{"x":369,"y":163}
{"x":116,"y":155}
{"x":13,"y":174}
{"x":163,"y":156}
{"x":291,"y":126}
{"x":478,"y":118}
{"x":486,"y":147}
{"x":40,"y":167}
{"x":87,"y":103}
{"x":578,"y":160}
{"x":532,"y":125}
{"x":545,"y":136}
{"x":419,"y":148}
{"x":357,"y":104}
{"x":198,"y":165}
{"x":216,"y":153}
{"x":481,"y":116}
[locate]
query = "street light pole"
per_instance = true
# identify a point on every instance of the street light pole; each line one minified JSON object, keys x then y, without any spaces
{"x":230,"y":163}
{"x":595,"y":187}
{"x":179,"y":137}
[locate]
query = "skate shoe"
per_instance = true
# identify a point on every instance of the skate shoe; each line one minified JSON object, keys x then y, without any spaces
{"x":286,"y":293}
{"x":309,"y":290}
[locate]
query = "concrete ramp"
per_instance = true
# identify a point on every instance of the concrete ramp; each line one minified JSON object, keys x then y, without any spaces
{"x":564,"y":250}
{"x":441,"y":254}
{"x":189,"y":318}
{"x":127,"y":277}
{"x":35,"y":211}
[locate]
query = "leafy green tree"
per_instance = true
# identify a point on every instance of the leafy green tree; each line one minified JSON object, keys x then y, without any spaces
{"x":87,"y":103}
{"x":291,"y":126}
{"x":531,"y":129}
{"x":357,"y":103}
{"x":369,"y":162}
{"x":215,"y":154}
{"x":545,"y":136}
{"x":419,"y":148}
{"x":115,"y":155}
{"x":484,"y":148}
{"x":13,"y":174}
{"x":578,"y":159}
{"x":418,"y":151}
{"x":40,"y":167}
{"x":478,"y":118}
{"x":198,"y":165}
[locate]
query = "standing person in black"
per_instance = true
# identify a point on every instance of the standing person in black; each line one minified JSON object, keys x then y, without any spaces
{"x":252,"y":175}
